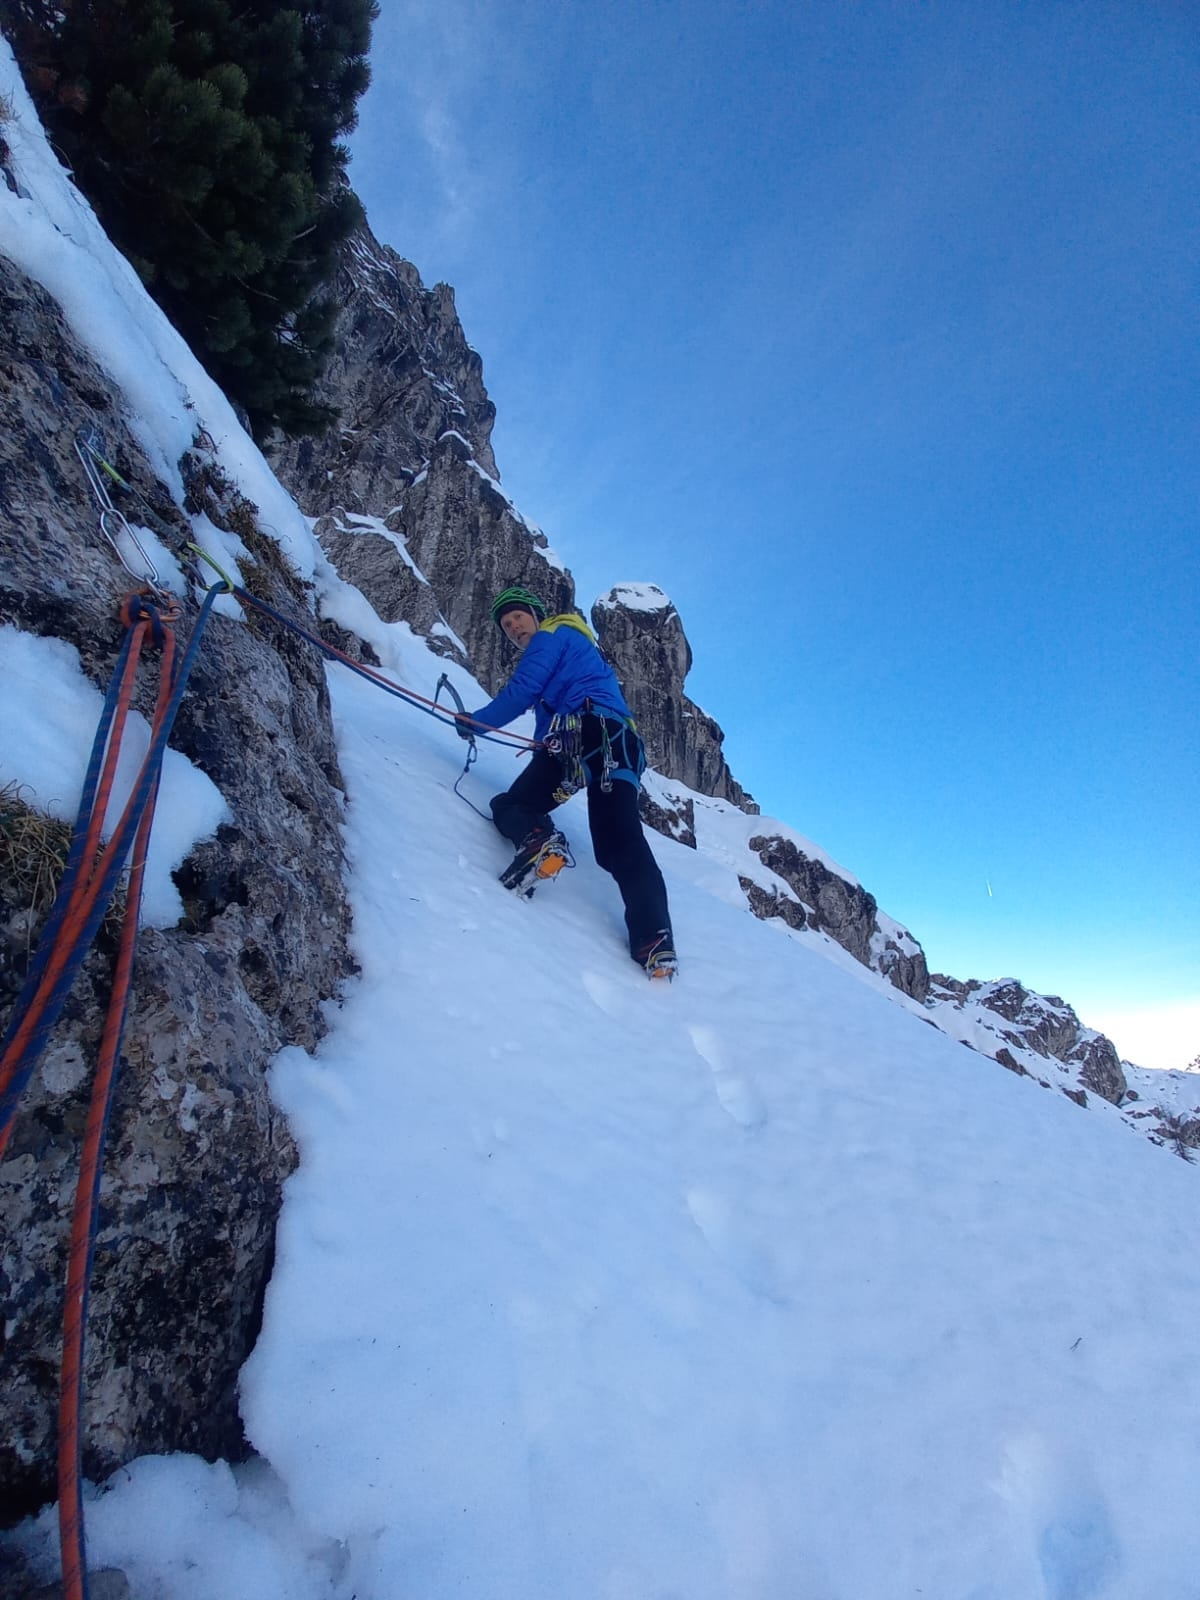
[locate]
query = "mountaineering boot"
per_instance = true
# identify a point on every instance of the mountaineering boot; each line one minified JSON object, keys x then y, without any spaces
{"x":542,"y":856}
{"x":657,"y":957}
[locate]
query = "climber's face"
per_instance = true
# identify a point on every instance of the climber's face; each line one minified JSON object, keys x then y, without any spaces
{"x":520,"y":626}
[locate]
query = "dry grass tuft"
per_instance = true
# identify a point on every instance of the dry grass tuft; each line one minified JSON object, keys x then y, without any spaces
{"x":267,"y":558}
{"x":268,"y":570}
{"x":33,"y":853}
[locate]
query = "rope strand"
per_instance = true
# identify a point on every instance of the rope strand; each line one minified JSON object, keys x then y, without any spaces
{"x":81,"y":905}
{"x":89,"y":881}
{"x":430,"y":707}
{"x":86,"y":1210}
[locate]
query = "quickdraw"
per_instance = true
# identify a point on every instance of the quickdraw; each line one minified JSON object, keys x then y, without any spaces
{"x":444,"y":683}
{"x":564,"y":740}
{"x":89,"y":447}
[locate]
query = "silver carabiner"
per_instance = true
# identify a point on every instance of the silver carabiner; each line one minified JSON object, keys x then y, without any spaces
{"x":87,"y":448}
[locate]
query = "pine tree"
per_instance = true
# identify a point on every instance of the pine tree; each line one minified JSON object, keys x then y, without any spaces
{"x":206,"y":135}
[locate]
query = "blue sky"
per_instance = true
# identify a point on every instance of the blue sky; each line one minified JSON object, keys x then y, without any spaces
{"x":868,"y":332}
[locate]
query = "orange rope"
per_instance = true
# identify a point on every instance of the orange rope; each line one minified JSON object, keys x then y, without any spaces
{"x":86,"y":889}
{"x":87,"y":1189}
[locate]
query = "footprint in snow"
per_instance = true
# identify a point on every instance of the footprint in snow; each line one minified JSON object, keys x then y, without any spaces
{"x":603,"y":993}
{"x":749,"y":1257}
{"x":1069,"y":1524}
{"x":736,"y":1092}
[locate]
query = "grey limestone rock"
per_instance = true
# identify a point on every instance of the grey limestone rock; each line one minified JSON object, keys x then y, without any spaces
{"x":196,"y":1152}
{"x":413,"y":450}
{"x":843,"y":910}
{"x":372,"y":558}
{"x":905,"y":969}
{"x":402,"y":374}
{"x":469,"y":542}
{"x":828,"y":903}
{"x":675,"y":820}
{"x":767,"y":903}
{"x":641,"y":634}
{"x":1044,"y":1024}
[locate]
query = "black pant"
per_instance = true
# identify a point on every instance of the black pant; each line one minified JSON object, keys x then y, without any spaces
{"x":618,"y":842}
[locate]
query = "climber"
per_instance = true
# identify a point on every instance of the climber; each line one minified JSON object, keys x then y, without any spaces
{"x":587,"y":740}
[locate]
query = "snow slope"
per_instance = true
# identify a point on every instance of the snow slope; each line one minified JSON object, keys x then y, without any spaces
{"x":753,"y":1287}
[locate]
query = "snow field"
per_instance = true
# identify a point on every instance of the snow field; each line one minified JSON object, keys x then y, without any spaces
{"x":745,"y":1288}
{"x":594,"y":1288}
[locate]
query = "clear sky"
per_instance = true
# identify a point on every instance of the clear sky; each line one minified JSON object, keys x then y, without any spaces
{"x":868,"y":332}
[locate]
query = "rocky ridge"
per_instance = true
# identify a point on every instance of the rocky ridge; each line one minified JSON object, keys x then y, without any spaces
{"x":1038,"y":1028}
{"x":402,"y":375}
{"x":641,"y":634}
{"x":827,"y":902}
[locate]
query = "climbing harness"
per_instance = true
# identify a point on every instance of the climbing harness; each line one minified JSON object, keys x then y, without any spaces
{"x":621,"y":751}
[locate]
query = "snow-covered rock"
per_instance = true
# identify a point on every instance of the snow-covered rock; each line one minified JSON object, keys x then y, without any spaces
{"x":641,"y":633}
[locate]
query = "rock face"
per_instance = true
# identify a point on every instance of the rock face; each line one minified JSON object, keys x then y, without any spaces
{"x":641,"y":634}
{"x":829,"y":903}
{"x":368,"y":554}
{"x":435,"y":561}
{"x":767,"y":903}
{"x":411,"y":507}
{"x":196,"y":1153}
{"x":402,"y":375}
{"x":414,"y":516}
{"x":1043,"y":1025}
{"x":470,"y":542}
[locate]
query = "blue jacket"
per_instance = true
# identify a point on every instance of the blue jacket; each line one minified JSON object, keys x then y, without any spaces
{"x":559,"y":669}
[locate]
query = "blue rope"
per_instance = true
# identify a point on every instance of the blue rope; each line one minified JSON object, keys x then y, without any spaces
{"x":75,"y":852}
{"x":120,"y":844}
